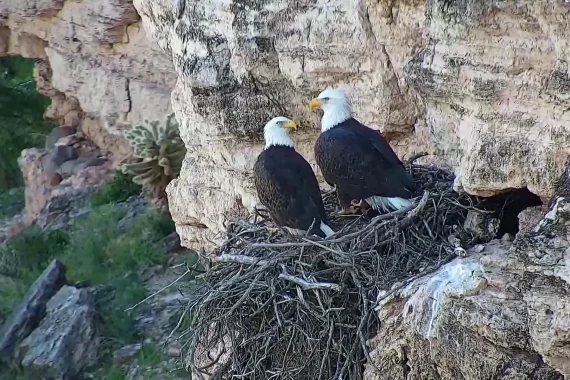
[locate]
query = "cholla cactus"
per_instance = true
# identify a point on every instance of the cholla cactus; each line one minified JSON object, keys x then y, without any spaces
{"x":161,"y":151}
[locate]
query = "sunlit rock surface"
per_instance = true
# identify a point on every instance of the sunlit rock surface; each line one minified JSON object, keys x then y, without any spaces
{"x":482,"y":85}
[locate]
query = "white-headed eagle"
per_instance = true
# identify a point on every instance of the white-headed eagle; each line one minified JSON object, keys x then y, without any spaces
{"x":357,"y":160}
{"x":286,"y":184}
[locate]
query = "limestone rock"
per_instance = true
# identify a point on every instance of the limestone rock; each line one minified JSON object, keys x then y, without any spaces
{"x":95,"y":61}
{"x":31,"y":310}
{"x":59,"y":155}
{"x":90,"y":176}
{"x":501,"y":313}
{"x":126,"y":353}
{"x":458,"y":79}
{"x":61,"y":176}
{"x":66,"y":341}
{"x":37,"y":181}
{"x":30,"y":7}
{"x":481,"y":225}
{"x":530,"y":217}
{"x":58,"y":133}
{"x":95,"y":130}
{"x":73,"y":167}
{"x":62,"y":209}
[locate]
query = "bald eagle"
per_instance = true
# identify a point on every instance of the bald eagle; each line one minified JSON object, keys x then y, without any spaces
{"x":286,"y":184}
{"x":357,"y":160}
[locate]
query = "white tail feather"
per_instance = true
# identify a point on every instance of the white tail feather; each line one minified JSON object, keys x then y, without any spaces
{"x":387,"y":204}
{"x":326,"y":230}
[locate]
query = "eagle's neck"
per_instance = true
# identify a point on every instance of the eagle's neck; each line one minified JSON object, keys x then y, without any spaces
{"x":278,"y":137}
{"x":334,"y":116}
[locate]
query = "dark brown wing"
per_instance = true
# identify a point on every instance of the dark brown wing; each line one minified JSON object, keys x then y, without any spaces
{"x":359,"y":161}
{"x":287,"y":186}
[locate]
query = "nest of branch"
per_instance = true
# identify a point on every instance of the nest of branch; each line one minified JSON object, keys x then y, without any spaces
{"x":275,"y":306}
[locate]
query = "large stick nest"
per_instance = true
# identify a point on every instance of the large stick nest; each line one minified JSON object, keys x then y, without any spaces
{"x":274,"y":306}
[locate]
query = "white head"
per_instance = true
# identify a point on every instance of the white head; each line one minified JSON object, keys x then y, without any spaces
{"x":335,"y":105}
{"x":276,"y":132}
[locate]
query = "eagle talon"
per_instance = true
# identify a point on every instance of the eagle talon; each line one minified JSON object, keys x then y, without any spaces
{"x":350,"y":210}
{"x":273,"y":230}
{"x":361,"y":205}
{"x":355,"y":203}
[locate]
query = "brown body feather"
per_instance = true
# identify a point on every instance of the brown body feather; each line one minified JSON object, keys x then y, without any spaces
{"x":361,"y":164}
{"x":287,"y":186}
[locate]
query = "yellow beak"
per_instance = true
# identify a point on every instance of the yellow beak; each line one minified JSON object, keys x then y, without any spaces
{"x":290,"y":124}
{"x":315,"y":104}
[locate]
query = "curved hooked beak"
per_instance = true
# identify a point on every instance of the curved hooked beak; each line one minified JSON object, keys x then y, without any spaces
{"x":315,"y":104}
{"x":290,"y":124}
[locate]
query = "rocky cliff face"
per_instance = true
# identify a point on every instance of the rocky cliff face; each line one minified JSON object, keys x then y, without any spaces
{"x":482,"y":85}
{"x":501,"y":313}
{"x":98,"y":61}
{"x":101,"y":72}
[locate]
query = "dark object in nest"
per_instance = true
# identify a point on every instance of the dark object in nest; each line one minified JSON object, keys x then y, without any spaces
{"x":275,"y":306}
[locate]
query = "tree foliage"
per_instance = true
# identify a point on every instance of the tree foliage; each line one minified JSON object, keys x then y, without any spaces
{"x":21,"y":117}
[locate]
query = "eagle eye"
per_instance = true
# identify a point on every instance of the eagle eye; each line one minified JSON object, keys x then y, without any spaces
{"x":326,"y":99}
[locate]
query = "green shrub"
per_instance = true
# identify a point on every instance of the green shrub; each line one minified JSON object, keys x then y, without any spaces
{"x":150,"y":355}
{"x":24,"y":258}
{"x":21,"y":117}
{"x":97,"y":251}
{"x":87,"y":257}
{"x":93,"y":251}
{"x":12,"y":202}
{"x":116,"y":374}
{"x":119,"y":189}
{"x":27,"y":254}
{"x":160,"y":151}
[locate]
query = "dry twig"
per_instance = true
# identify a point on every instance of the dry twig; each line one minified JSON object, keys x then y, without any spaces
{"x":274,"y":306}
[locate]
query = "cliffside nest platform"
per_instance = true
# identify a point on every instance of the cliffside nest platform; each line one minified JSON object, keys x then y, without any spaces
{"x":275,"y":306}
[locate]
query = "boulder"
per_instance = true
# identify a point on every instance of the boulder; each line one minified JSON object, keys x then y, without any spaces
{"x":62,"y":153}
{"x":31,"y":310}
{"x":481,"y":225}
{"x":134,"y":206}
{"x":63,"y":208}
{"x":500,"y":313}
{"x":530,"y":217}
{"x":126,"y":354}
{"x":48,"y":192}
{"x":172,"y":243}
{"x":53,"y":179}
{"x":66,"y":341}
{"x":73,"y":167}
{"x":54,"y":158}
{"x":58,"y":133}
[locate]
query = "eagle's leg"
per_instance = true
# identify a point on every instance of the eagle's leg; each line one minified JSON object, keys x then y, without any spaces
{"x":362,"y":205}
{"x":276,"y":229}
{"x":345,"y":201}
{"x":350,"y":210}
{"x":273,"y":230}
